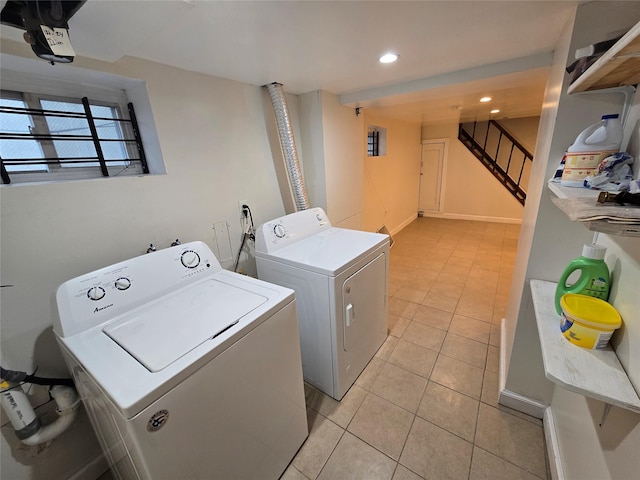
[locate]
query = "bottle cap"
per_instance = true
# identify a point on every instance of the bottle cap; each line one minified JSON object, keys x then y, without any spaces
{"x":594,"y":251}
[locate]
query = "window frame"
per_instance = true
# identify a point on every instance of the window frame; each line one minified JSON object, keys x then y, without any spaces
{"x":34,"y":76}
{"x":376,"y":141}
{"x":55,"y":171}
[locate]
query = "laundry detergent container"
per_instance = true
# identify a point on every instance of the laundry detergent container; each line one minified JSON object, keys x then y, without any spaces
{"x":587,"y":321}
{"x":592,"y":146}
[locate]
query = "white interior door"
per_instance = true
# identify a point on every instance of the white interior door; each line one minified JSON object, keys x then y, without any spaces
{"x":431,"y":168}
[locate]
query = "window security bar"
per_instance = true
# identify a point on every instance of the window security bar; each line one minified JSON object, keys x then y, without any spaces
{"x":94,"y":138}
{"x":5,"y":175}
{"x":373,"y":143}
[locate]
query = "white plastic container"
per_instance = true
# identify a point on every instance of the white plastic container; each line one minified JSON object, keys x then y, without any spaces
{"x":594,"y":144}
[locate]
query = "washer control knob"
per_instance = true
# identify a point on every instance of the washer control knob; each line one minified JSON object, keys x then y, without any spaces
{"x":318,"y":217}
{"x":190,"y":259}
{"x":123,"y":283}
{"x":279,"y":230}
{"x":96,"y":293}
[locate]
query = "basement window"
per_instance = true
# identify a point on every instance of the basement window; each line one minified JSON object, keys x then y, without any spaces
{"x":376,"y":141}
{"x":59,"y":124}
{"x":45,"y":138}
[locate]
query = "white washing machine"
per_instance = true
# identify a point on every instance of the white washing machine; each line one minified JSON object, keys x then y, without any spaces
{"x":340,"y":279}
{"x":187,"y":371}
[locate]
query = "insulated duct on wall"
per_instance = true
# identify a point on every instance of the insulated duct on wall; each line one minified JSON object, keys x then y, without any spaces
{"x":288,"y":144}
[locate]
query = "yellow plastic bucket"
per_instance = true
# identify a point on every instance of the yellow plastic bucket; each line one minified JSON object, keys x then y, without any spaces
{"x":588,"y":321}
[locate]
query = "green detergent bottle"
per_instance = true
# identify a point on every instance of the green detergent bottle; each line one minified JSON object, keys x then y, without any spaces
{"x":594,"y":275}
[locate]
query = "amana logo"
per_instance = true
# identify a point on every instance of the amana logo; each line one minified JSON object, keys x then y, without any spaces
{"x":99,"y":309}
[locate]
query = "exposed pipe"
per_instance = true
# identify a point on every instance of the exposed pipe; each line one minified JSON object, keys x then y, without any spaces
{"x":19,"y":410}
{"x":24,"y":420}
{"x":288,"y":144}
{"x":67,"y":401}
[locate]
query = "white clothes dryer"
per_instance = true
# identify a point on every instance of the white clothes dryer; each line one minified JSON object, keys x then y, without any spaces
{"x":187,"y":371}
{"x":340,"y":279}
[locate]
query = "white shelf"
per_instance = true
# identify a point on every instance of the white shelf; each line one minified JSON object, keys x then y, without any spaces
{"x":572,"y":202}
{"x":572,"y":192}
{"x":620,"y":65}
{"x":593,"y":373}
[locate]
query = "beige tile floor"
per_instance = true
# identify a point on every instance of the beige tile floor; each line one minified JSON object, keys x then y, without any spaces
{"x":426,"y":405}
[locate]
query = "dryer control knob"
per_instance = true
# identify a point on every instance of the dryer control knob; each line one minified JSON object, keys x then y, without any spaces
{"x":190,"y":259}
{"x":123,"y":283}
{"x":96,"y":293}
{"x":279,"y":231}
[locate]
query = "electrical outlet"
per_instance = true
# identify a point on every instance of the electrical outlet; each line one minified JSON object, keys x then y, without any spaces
{"x":240,"y":209}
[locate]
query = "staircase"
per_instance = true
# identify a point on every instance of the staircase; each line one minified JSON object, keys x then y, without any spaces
{"x":501,"y":153}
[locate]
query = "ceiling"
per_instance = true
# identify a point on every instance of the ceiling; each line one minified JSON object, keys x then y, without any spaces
{"x":451,"y":52}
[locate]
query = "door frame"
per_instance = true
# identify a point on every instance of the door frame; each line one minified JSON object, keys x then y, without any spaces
{"x":443,"y":170}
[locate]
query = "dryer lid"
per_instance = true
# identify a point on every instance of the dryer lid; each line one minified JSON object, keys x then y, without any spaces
{"x":164,"y":331}
{"x":329,"y":252}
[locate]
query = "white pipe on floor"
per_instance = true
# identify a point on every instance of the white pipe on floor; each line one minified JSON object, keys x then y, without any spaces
{"x":67,"y":401}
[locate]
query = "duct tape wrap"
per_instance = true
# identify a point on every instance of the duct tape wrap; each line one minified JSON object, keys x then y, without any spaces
{"x":288,"y":144}
{"x":19,"y":410}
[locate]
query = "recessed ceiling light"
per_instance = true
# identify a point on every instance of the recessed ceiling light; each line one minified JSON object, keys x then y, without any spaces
{"x":388,"y":58}
{"x":485,"y":99}
{"x":495,"y":111}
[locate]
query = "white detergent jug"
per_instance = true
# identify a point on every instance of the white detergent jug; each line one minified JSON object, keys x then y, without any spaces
{"x":594,"y":144}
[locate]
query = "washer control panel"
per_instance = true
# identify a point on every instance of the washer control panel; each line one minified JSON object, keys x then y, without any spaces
{"x":96,"y":293}
{"x":279,"y":231}
{"x":190,"y":259}
{"x":291,"y":228}
{"x":122,"y":283}
{"x":98,"y":296}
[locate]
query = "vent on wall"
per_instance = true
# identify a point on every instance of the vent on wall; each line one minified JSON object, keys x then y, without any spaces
{"x":383,"y":229}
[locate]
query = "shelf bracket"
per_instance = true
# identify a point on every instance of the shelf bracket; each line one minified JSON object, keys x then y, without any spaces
{"x":605,"y":413}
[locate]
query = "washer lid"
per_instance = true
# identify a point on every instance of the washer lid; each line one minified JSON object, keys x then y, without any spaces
{"x":164,"y":331}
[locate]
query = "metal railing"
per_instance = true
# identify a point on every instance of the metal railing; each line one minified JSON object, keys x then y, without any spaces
{"x":500,"y":153}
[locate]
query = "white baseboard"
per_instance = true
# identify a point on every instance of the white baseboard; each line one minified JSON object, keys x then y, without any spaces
{"x":404,"y":224}
{"x":92,"y":470}
{"x":477,"y":218}
{"x":553,"y":451}
{"x":521,"y":403}
{"x":502,"y":370}
{"x":507,"y":397}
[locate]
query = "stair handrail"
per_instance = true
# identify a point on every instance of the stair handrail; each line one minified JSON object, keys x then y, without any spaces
{"x":513,"y":140}
{"x":492,"y":163}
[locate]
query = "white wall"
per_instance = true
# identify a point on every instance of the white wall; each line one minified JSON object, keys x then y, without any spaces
{"x":215,"y":142}
{"x":344,"y":169}
{"x":391,"y":181}
{"x":524,"y":129}
{"x":470,"y":191}
{"x":332,"y":150}
{"x":548,"y":242}
{"x":555,"y":241}
{"x":312,"y":148}
{"x":528,"y":353}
